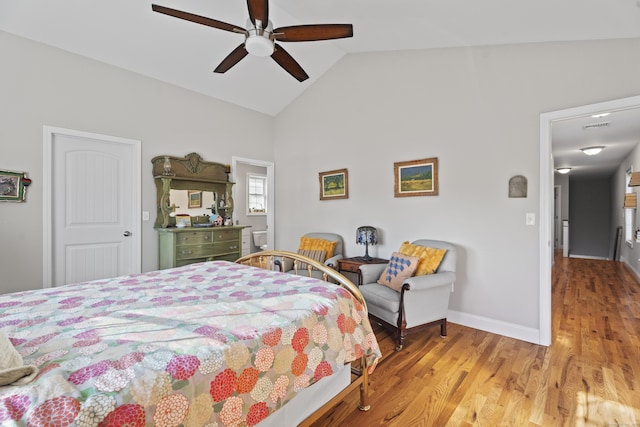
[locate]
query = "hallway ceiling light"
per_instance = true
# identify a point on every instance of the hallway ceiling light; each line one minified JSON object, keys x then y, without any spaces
{"x":597,"y":116}
{"x":563,"y":170}
{"x":592,"y":151}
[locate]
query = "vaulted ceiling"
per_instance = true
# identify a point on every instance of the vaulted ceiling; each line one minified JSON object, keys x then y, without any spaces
{"x":128,"y":34}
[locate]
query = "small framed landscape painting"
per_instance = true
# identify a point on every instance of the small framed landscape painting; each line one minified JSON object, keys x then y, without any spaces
{"x":334,"y":184}
{"x":416,"y":178}
{"x":195,"y":199}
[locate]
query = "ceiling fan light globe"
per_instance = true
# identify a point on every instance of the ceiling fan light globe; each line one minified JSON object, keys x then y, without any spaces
{"x":259,"y":46}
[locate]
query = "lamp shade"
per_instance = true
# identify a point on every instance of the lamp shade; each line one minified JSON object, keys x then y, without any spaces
{"x":366,"y":235}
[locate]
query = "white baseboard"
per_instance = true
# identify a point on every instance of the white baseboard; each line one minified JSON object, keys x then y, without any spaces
{"x":588,"y":257}
{"x":499,"y":327}
{"x":633,"y":270}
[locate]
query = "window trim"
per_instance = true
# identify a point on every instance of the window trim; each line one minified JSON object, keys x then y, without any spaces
{"x":255,"y":176}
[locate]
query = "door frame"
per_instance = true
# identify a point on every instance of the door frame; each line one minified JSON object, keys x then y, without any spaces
{"x":546,"y":199}
{"x":270,"y":192}
{"x":557,"y":220}
{"x":49,"y":133}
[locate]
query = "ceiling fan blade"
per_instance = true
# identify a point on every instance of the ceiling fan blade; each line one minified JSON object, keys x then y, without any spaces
{"x":259,"y":10}
{"x":306,"y":33}
{"x":287,"y":62}
{"x":232,"y":59}
{"x":198,"y":19}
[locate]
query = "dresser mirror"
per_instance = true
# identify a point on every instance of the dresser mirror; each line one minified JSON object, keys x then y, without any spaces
{"x":191,"y":186}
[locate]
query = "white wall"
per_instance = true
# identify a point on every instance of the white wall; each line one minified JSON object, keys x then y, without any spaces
{"x":477,"y":110}
{"x":40,"y":85}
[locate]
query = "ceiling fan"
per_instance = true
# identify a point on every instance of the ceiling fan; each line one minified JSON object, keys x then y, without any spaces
{"x":260,"y":37}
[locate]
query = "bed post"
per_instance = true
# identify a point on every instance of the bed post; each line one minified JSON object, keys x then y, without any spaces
{"x":364,"y":386}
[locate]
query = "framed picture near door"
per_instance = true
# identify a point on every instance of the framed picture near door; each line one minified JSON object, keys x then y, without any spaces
{"x":12,"y":186}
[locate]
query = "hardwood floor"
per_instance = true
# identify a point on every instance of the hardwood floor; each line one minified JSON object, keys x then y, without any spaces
{"x":589,"y":376}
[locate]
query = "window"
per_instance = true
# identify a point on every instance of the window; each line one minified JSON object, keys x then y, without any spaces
{"x":256,"y":194}
{"x":629,"y":213}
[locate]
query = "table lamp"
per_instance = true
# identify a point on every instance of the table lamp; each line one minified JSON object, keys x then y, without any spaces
{"x":366,"y":235}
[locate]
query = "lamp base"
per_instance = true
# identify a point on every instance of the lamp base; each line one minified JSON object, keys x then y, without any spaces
{"x":366,"y":256}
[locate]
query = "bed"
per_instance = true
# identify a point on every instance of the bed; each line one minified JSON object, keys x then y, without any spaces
{"x":209,"y":344}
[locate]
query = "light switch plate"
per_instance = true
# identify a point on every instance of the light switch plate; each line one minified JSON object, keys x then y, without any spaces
{"x":531,"y":218}
{"x":145,"y":215}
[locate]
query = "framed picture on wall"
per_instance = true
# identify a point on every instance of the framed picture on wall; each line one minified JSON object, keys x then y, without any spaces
{"x":12,"y":186}
{"x":195,"y":199}
{"x":334,"y":184}
{"x":416,"y":178}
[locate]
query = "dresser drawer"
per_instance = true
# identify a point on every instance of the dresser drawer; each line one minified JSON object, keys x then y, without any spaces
{"x":226,"y":246}
{"x":194,"y":237}
{"x":349,"y":266}
{"x":186,"y":252}
{"x":223,"y":234}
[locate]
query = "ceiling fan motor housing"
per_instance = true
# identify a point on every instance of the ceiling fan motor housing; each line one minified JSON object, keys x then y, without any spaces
{"x":259,"y":41}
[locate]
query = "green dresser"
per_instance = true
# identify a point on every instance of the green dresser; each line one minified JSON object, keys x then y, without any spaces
{"x":182,"y":246}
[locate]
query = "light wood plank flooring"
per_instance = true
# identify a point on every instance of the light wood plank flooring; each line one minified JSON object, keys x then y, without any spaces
{"x":589,"y":376}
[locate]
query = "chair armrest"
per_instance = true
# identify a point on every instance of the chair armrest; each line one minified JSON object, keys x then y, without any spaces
{"x":287,"y":264}
{"x":333,"y":261}
{"x":371,"y":272}
{"x":417,"y":283}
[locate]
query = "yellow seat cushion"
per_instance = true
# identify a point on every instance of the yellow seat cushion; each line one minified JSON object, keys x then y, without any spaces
{"x":430,"y":258}
{"x":314,"y":244}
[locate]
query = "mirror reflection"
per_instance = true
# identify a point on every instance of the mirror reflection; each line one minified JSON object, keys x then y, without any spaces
{"x":197,"y":203}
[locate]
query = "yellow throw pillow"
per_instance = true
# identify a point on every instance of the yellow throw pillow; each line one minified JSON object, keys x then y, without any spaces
{"x":313,"y":244}
{"x":430,"y":258}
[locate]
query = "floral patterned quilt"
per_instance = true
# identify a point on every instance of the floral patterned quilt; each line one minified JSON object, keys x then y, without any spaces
{"x":209,"y":344}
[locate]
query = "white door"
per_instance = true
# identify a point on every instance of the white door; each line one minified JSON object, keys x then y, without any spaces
{"x":94,"y":205}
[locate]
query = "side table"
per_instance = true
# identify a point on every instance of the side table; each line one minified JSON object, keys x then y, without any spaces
{"x":352,"y":265}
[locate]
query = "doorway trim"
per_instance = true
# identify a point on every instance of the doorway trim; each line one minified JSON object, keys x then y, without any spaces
{"x":49,"y":133}
{"x":270,"y":192}
{"x":546,"y":198}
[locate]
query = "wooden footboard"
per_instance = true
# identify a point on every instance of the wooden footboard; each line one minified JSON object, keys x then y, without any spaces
{"x":274,"y":260}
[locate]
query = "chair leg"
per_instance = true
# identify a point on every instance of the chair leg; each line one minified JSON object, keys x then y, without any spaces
{"x":443,"y":328}
{"x":400,"y":339}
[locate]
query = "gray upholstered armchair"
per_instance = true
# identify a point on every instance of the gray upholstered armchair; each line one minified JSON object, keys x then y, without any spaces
{"x":330,"y":262}
{"x":422,"y":302}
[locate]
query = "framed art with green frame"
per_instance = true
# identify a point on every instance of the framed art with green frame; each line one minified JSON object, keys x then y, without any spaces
{"x":13,"y":186}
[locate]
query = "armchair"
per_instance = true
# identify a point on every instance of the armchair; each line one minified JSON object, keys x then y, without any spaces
{"x":423,"y":301}
{"x":332,"y":261}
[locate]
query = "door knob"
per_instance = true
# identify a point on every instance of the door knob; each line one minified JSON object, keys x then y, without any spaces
{"x":126,"y":234}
